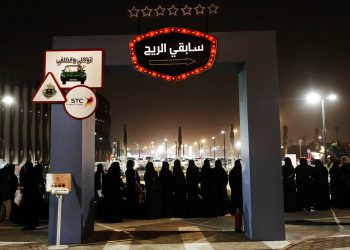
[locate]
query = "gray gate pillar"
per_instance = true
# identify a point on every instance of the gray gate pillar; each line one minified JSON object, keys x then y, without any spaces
{"x":73,"y":151}
{"x":261,"y":160}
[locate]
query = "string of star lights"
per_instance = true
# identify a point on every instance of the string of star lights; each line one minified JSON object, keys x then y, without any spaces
{"x":183,"y":76}
{"x":172,"y":10}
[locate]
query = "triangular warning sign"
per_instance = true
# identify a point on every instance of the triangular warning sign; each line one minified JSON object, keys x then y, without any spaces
{"x":49,"y":92}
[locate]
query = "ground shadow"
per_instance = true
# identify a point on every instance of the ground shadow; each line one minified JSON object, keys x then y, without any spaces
{"x":316,"y":223}
{"x":166,"y":237}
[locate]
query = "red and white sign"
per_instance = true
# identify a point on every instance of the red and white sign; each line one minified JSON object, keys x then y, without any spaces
{"x":49,"y":91}
{"x":81,"y":102}
{"x":172,"y":53}
{"x":75,"y":67}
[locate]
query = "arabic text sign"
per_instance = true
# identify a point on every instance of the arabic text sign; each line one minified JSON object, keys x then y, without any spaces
{"x":173,"y":53}
{"x":75,"y":67}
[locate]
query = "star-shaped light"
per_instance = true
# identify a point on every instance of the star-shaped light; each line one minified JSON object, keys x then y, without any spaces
{"x":146,"y":11}
{"x":199,"y":9}
{"x":213,"y":9}
{"x":133,"y":12}
{"x":173,"y":11}
{"x":160,"y":10}
{"x":186,"y":10}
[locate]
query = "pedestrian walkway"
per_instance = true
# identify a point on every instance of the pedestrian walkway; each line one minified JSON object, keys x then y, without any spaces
{"x":304,"y":230}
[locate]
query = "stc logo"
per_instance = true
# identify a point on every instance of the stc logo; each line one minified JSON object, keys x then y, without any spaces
{"x":81,"y":101}
{"x":77,"y":101}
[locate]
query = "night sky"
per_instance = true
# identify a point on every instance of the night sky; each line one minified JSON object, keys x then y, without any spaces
{"x":313,"y":44}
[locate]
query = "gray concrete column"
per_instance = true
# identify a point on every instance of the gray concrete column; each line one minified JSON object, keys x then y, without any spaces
{"x":73,"y":151}
{"x":261,"y":160}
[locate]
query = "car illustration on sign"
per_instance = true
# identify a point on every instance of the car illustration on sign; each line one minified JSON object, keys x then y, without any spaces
{"x":173,"y":54}
{"x":73,"y":73}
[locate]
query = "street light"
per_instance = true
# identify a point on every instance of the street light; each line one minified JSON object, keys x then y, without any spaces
{"x":214,"y":149}
{"x":315,"y":98}
{"x":166,"y":148}
{"x":223,"y":133}
{"x":8,"y":101}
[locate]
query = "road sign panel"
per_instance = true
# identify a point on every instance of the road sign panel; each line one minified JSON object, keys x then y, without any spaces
{"x":81,"y":102}
{"x":49,"y":91}
{"x":75,"y":67}
{"x":173,"y":53}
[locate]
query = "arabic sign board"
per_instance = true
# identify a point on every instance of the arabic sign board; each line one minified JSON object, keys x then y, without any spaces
{"x":54,"y":181}
{"x":75,"y":67}
{"x":173,"y":53}
{"x":49,"y":91}
{"x":81,"y":102}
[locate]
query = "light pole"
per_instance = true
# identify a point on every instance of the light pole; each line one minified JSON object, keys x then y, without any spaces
{"x":214,"y":149}
{"x":223,"y":134}
{"x":201,"y":148}
{"x":195,"y":143}
{"x":166,"y":148}
{"x":315,"y":98}
{"x":233,"y":143}
{"x":114,"y":148}
{"x":138,"y":149}
{"x":300,"y":141}
{"x":152,"y":148}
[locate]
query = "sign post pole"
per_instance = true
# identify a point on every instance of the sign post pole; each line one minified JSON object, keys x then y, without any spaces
{"x":58,"y":232}
{"x":58,"y":184}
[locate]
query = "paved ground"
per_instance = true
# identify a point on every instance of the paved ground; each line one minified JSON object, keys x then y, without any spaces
{"x":304,"y":230}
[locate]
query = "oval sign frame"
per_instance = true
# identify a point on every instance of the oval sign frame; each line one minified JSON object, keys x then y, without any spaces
{"x":86,"y":100}
{"x":211,"y":50}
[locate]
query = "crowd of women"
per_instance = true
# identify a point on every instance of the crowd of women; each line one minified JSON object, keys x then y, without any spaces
{"x":316,"y":187}
{"x":23,"y":200}
{"x":200,"y":192}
